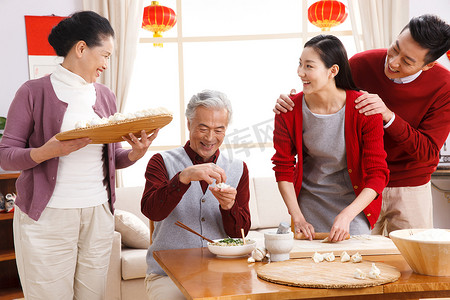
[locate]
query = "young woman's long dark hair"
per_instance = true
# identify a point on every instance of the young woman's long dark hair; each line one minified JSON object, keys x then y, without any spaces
{"x":332,"y":52}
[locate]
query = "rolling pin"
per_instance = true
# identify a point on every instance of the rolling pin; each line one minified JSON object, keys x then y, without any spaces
{"x":318,"y":236}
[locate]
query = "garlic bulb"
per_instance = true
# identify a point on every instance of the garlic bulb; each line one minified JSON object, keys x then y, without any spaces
{"x":259,"y":253}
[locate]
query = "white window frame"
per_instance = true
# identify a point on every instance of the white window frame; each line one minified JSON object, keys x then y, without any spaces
{"x":180,"y":40}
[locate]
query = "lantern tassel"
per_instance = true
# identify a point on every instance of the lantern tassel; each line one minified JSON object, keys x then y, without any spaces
{"x":157,"y":34}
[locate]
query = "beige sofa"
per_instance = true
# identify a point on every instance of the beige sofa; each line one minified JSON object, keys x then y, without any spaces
{"x":128,"y":265}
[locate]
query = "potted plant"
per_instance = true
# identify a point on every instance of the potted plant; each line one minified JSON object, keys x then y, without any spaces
{"x":2,"y":125}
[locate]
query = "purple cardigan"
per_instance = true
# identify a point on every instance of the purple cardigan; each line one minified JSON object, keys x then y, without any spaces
{"x":35,"y":116}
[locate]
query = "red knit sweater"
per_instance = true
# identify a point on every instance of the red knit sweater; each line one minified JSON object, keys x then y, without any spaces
{"x":422,"y":116}
{"x":364,"y":145}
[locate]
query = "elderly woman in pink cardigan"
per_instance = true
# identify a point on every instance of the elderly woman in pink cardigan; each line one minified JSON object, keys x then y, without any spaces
{"x":63,"y":223}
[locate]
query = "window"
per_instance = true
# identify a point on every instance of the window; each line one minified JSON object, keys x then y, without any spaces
{"x":248,"y":49}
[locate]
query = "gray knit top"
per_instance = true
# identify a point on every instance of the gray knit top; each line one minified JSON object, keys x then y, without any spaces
{"x":326,"y":187}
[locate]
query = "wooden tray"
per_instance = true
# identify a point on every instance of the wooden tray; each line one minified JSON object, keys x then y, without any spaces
{"x":364,"y":244}
{"x":306,"y":273}
{"x":112,"y":133}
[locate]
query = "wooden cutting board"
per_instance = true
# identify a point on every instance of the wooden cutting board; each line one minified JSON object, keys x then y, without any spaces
{"x":112,"y":133}
{"x":306,"y":273}
{"x":364,"y":244}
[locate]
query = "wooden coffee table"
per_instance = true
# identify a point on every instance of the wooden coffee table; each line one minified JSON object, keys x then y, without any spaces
{"x":201,"y":275}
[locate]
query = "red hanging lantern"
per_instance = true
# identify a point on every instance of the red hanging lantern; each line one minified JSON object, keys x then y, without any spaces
{"x":327,"y":13}
{"x":448,"y":54}
{"x":158,"y":19}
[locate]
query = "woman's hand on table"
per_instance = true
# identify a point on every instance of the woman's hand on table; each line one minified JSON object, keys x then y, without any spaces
{"x":341,"y":228}
{"x":139,"y":146}
{"x":55,"y":148}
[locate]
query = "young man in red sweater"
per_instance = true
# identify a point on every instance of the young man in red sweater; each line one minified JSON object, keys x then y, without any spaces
{"x":411,"y":91}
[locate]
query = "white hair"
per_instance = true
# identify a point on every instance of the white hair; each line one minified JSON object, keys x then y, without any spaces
{"x":209,"y":99}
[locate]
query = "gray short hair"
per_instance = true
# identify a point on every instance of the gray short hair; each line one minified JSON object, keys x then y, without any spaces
{"x":208,"y":99}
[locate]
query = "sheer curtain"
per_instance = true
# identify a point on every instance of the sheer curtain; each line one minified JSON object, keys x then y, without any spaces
{"x":125,"y":17}
{"x":379,"y":21}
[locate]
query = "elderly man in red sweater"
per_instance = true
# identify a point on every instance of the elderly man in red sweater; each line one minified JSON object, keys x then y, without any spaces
{"x":411,"y":91}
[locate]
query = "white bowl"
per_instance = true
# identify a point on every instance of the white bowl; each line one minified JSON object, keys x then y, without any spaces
{"x":279,"y":245}
{"x":424,"y":257}
{"x":232,"y":251}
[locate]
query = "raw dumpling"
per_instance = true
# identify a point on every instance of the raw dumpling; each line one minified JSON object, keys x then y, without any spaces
{"x":325,"y":240}
{"x":222,"y":185}
{"x":121,"y":117}
{"x":359,"y":274}
{"x":317,"y":257}
{"x":81,"y":124}
{"x":374,"y":272}
{"x":329,"y":256}
{"x":345,"y":257}
{"x":356,"y":258}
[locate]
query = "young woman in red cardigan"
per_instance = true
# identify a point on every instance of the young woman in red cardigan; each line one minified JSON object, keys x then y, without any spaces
{"x":329,"y":161}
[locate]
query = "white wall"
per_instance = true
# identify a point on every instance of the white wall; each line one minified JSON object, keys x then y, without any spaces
{"x":437,"y":7}
{"x":13,"y":51}
{"x":441,"y":206}
{"x":14,"y":62}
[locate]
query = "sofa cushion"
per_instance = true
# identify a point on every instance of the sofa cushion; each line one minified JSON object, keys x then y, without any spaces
{"x":133,"y":289}
{"x":270,"y":205}
{"x":256,"y":236}
{"x":134,"y":264}
{"x":129,"y":199}
{"x":253,"y":206}
{"x":135,"y":234}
